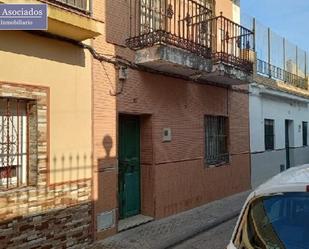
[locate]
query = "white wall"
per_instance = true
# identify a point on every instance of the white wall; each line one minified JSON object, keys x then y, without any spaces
{"x":279,"y":108}
{"x":271,"y":104}
{"x":236,"y":11}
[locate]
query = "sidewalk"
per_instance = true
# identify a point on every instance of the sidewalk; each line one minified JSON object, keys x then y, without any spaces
{"x":175,"y":229}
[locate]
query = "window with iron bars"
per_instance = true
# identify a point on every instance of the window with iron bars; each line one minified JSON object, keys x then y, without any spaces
{"x":269,"y":132}
{"x":216,"y":140}
{"x":14,"y":142}
{"x":79,"y":5}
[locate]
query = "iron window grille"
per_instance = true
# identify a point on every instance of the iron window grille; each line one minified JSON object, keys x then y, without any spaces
{"x":269,"y":132}
{"x":14,"y":142}
{"x":305,"y":133}
{"x":83,"y":6}
{"x":216,"y":140}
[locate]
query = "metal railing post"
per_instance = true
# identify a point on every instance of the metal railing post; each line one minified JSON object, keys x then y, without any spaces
{"x":297,"y":60}
{"x":91,"y":7}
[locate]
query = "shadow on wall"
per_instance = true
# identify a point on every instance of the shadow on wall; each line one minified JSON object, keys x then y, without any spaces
{"x":33,"y":45}
{"x":106,"y":188}
{"x":103,"y":163}
{"x":107,"y":145}
{"x":66,"y":173}
{"x":60,"y":214}
{"x":57,"y":215}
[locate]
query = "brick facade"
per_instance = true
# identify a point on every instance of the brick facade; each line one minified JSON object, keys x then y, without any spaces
{"x":104,"y":141}
{"x":174,"y":176}
{"x":41,"y":215}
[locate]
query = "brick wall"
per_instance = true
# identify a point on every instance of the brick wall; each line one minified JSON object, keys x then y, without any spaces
{"x":104,"y":89}
{"x":37,"y":217}
{"x":181,"y":179}
{"x":147,"y":169}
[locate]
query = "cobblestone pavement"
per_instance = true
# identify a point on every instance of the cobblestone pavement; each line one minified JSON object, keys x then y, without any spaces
{"x":216,"y":238}
{"x":172,"y":230}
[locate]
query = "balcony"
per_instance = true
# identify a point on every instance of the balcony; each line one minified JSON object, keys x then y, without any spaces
{"x":68,"y":18}
{"x":276,"y":73}
{"x":182,"y":37}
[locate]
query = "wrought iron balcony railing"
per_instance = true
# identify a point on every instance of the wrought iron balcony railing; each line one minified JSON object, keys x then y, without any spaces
{"x":232,"y":43}
{"x":79,"y":5}
{"x":274,"y":72}
{"x":189,"y":25}
{"x":178,"y":23}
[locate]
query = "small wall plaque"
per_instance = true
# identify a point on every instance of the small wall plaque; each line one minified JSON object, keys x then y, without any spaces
{"x":167,"y":135}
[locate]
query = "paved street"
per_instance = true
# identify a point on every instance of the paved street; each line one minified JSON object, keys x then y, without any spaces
{"x":217,"y":218}
{"x":216,"y":238}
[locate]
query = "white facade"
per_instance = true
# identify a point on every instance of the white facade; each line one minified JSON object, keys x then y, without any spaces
{"x":236,"y":11}
{"x":266,"y":103}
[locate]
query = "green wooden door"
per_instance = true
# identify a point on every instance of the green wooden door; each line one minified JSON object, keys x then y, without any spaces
{"x":129,"y":166}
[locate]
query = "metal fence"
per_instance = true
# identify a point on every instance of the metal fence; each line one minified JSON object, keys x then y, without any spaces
{"x":274,"y":72}
{"x":277,"y":57}
{"x":232,"y":43}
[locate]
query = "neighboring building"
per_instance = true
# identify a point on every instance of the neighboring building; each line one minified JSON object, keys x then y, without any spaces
{"x":279,"y":117}
{"x":181,"y":108}
{"x":46,"y":131}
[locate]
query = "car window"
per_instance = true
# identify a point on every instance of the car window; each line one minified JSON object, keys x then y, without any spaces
{"x":275,"y":222}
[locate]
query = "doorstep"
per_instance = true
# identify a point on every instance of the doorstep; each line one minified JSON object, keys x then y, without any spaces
{"x":133,"y":221}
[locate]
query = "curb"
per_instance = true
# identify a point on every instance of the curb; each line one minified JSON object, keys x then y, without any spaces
{"x":169,"y":244}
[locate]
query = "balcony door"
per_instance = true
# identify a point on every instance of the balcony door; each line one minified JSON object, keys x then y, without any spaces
{"x":184,"y":18}
{"x":152,"y":15}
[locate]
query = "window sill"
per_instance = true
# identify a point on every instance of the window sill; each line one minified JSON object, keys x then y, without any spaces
{"x":269,"y":150}
{"x":217,"y":165}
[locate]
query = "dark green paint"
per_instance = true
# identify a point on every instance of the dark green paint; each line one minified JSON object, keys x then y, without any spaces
{"x":129,"y":166}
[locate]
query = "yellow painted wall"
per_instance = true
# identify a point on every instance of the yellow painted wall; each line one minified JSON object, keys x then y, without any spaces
{"x":226,"y":6}
{"x":66,"y":69}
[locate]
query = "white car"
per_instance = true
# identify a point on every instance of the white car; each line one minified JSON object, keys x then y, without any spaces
{"x":276,"y":214}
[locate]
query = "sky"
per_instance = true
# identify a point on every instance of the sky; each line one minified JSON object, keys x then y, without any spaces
{"x":288,"y":18}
